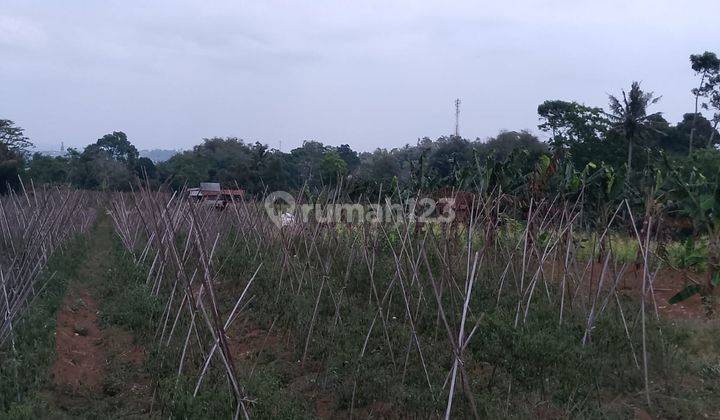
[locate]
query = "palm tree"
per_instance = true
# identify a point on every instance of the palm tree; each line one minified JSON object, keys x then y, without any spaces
{"x":630,"y":116}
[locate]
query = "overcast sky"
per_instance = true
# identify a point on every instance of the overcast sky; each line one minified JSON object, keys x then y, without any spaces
{"x":367,"y":73}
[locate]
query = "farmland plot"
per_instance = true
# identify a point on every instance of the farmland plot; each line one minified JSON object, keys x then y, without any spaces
{"x":34,"y":225}
{"x":489,"y":317}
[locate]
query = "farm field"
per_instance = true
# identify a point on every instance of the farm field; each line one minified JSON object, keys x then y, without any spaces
{"x":359,"y":210}
{"x":169,"y":308}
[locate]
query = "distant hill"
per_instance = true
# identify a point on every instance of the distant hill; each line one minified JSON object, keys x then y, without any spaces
{"x":158,"y":155}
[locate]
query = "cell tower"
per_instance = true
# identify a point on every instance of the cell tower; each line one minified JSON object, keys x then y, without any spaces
{"x":457,"y":117}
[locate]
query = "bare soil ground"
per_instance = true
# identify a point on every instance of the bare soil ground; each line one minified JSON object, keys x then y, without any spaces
{"x":80,"y":363}
{"x":99,"y":369}
{"x":667,"y":283}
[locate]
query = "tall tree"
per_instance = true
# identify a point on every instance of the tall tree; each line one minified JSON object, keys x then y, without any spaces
{"x":109,"y":163}
{"x":350,"y":156}
{"x":714,"y":103}
{"x":629,"y":116}
{"x":707,"y":66}
{"x":332,"y":168}
{"x":13,"y":149}
{"x":507,"y":142}
{"x":307,"y":160}
{"x":376,"y":173}
{"x":447,"y":156}
{"x":571,"y":125}
{"x":117,"y":147}
{"x":13,"y":137}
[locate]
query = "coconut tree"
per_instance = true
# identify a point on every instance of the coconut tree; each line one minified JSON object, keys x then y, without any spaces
{"x":628,"y":115}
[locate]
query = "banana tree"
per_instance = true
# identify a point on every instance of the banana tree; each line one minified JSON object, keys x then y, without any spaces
{"x":699,"y":196}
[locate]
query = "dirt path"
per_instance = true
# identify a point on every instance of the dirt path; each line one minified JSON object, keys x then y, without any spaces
{"x":99,"y":369}
{"x":80,"y":363}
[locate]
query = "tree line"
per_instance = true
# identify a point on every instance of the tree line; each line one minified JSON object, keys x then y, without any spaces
{"x":627,"y":137}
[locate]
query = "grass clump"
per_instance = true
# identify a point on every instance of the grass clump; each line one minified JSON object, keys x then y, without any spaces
{"x":126,"y":300}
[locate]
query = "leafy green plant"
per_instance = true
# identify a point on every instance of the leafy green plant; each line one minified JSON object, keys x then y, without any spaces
{"x":128,"y":302}
{"x":700,"y":197}
{"x":689,"y":254}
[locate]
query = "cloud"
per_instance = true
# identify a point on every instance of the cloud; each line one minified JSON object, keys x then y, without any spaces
{"x":20,"y":33}
{"x":369,"y":72}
